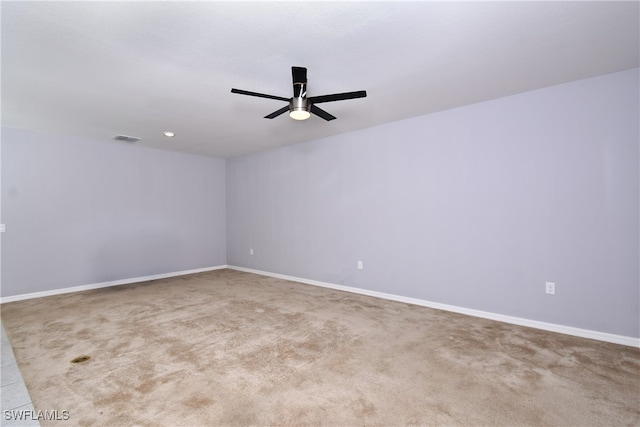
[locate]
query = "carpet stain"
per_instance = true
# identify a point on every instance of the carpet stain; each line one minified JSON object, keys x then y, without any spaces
{"x":197,"y":401}
{"x":113,"y":398}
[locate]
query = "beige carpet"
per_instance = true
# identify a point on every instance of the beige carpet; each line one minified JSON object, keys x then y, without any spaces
{"x":232,"y":348}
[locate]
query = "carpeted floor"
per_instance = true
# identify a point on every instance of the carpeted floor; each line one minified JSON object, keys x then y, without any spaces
{"x":233,"y":348}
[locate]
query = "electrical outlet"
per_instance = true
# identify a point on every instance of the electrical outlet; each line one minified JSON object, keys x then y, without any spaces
{"x":550,"y":288}
{"x":360,"y":265}
{"x":2,"y":228}
{"x":251,"y":251}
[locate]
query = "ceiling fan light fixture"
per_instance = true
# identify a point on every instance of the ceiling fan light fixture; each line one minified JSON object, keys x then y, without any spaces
{"x":299,"y":109}
{"x":299,"y":114}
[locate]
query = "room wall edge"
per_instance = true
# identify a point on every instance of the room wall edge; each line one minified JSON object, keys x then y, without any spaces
{"x":551,"y":327}
{"x":32,"y":295}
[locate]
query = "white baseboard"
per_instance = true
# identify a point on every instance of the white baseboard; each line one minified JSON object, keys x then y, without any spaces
{"x":106,"y":284}
{"x":552,"y":327}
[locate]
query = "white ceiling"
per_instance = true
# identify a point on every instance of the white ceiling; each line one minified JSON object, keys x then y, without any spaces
{"x":139,"y":68}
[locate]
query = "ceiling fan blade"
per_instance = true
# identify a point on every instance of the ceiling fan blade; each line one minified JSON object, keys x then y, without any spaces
{"x":321,"y":113}
{"x":338,"y":96}
{"x":277,"y":113}
{"x":261,"y":95}
{"x":299,"y":74}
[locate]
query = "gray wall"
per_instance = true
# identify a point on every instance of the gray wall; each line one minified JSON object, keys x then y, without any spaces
{"x":80,"y":212}
{"x":475,"y":207}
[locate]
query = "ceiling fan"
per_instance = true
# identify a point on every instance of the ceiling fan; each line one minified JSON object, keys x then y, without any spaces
{"x":300,"y":107}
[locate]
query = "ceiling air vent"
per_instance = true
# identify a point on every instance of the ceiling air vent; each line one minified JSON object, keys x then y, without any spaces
{"x":125,"y":138}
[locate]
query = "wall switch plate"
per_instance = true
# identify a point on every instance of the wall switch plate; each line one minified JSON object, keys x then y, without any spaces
{"x":2,"y":228}
{"x":550,"y":288}
{"x":360,"y":265}
{"x":251,"y":251}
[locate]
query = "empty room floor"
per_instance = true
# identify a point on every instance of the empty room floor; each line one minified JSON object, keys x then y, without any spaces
{"x":234,"y":348}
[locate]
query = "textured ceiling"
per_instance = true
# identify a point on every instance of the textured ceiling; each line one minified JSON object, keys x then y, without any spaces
{"x":96,"y":69}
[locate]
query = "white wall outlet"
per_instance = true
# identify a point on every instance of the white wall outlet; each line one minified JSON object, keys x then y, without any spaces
{"x":2,"y":228}
{"x":360,"y":265}
{"x":550,"y":288}
{"x":251,"y":251}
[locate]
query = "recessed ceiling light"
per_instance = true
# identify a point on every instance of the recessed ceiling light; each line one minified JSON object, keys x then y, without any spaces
{"x":169,"y":134}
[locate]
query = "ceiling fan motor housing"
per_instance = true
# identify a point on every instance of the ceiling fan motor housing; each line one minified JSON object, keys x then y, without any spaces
{"x":299,"y":104}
